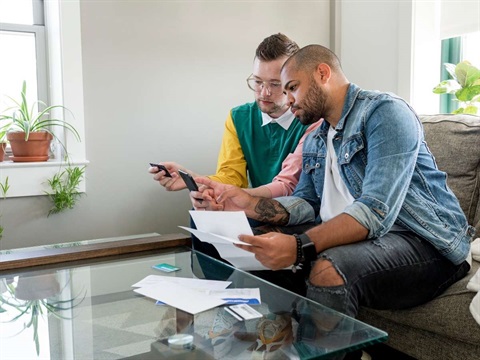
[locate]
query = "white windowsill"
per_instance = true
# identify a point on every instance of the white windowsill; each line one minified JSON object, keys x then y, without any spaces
{"x":31,"y":179}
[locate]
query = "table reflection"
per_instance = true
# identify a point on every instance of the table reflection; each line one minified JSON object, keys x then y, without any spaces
{"x":27,"y":300}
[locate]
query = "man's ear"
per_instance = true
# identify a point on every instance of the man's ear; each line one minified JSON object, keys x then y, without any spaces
{"x":323,"y":73}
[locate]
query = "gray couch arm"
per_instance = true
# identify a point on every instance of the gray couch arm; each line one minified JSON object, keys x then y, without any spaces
{"x":455,"y":142}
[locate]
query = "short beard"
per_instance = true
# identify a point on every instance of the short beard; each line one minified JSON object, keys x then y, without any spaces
{"x":275,"y":109}
{"x":314,"y":104}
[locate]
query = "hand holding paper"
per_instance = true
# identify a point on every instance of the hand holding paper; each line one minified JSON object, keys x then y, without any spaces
{"x":221,"y":229}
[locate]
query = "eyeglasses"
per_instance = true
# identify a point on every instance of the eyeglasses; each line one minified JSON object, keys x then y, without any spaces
{"x":257,"y":85}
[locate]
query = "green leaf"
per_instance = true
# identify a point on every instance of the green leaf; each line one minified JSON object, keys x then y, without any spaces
{"x":471,"y":109}
{"x":467,"y":93}
{"x":64,"y":185}
{"x":4,"y":188}
{"x":466,"y":73}
{"x":446,"y":87}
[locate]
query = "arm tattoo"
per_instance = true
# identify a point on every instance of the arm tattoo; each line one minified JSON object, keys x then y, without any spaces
{"x":272,"y":211}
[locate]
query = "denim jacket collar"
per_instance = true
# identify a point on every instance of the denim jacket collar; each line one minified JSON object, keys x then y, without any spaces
{"x":350,"y":98}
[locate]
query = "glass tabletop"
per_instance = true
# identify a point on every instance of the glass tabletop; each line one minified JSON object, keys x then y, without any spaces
{"x":90,"y":311}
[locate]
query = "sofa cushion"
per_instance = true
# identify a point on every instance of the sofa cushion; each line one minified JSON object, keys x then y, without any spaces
{"x":447,"y":315}
{"x":454,"y":141}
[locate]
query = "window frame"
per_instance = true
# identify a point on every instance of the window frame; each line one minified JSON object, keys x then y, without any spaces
{"x":451,"y":52}
{"x":64,"y":79}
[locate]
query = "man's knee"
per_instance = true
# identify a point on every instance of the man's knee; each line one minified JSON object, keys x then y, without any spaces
{"x":324,"y":274}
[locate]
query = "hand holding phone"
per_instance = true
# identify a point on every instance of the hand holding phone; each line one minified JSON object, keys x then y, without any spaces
{"x":189,"y":181}
{"x":161,"y":167}
{"x":191,"y":184}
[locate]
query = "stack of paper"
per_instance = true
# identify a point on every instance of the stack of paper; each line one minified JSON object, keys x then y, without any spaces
{"x":194,"y":295}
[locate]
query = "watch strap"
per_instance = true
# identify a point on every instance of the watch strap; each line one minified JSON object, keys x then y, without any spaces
{"x":309,"y":252}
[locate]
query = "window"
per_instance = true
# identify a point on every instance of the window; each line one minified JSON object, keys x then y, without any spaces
{"x":455,"y":50}
{"x":22,"y":43}
{"x":471,"y":49}
{"x":432,"y":23}
{"x":47,"y":35}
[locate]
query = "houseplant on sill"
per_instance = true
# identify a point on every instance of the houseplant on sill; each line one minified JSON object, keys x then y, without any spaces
{"x":26,"y":127}
{"x":464,"y":85}
{"x":29,"y":131}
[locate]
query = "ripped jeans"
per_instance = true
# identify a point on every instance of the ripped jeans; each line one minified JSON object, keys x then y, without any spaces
{"x":396,"y":271}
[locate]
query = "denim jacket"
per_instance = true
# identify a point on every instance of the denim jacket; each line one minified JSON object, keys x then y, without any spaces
{"x":389,"y":170}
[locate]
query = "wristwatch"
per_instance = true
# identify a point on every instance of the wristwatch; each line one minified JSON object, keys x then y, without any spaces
{"x":306,"y":251}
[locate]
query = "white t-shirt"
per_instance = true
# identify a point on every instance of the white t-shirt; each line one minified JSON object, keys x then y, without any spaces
{"x":336,"y":196}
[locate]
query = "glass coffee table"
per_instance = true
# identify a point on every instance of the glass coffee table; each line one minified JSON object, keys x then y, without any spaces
{"x":88,"y":310}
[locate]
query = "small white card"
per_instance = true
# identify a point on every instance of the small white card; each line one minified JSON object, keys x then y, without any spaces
{"x":245,"y":311}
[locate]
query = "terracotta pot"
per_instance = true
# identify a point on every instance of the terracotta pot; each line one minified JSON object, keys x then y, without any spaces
{"x":2,"y":151}
{"x":35,"y":149}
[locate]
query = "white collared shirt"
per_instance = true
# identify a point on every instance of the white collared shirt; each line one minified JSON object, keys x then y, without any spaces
{"x":284,"y":121}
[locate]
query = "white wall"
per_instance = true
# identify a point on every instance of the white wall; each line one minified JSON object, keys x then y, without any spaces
{"x":159,"y":80}
{"x":375,"y":44}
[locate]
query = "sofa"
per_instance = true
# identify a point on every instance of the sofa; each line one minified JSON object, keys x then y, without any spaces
{"x":444,"y":327}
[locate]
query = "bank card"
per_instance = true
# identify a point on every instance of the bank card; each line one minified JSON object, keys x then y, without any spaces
{"x":166,"y":267}
{"x":245,"y":311}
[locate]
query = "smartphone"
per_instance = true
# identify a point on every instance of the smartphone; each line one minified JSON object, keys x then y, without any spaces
{"x":191,"y":184}
{"x":161,"y":167}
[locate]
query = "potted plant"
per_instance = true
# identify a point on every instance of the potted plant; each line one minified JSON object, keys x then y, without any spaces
{"x":29,"y":130}
{"x":464,"y":85}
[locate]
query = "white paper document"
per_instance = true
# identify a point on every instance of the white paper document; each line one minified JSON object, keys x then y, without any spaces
{"x":232,"y":296}
{"x":189,"y":295}
{"x":194,"y":295}
{"x":221,"y":229}
{"x":186,"y":282}
{"x":180,"y":297}
{"x":238,"y":296}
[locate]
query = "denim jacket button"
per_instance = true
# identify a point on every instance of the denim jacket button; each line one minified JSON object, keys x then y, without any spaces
{"x":317,"y":165}
{"x":471,"y":231}
{"x":346,"y":156}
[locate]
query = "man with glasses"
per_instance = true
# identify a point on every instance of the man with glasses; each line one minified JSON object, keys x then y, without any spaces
{"x":262,"y":139}
{"x":262,"y":142}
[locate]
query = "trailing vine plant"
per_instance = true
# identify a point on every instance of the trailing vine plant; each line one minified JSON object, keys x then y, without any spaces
{"x":3,"y":191}
{"x":64,"y":187}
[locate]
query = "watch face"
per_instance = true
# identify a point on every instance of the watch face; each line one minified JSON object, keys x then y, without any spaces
{"x":309,"y":252}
